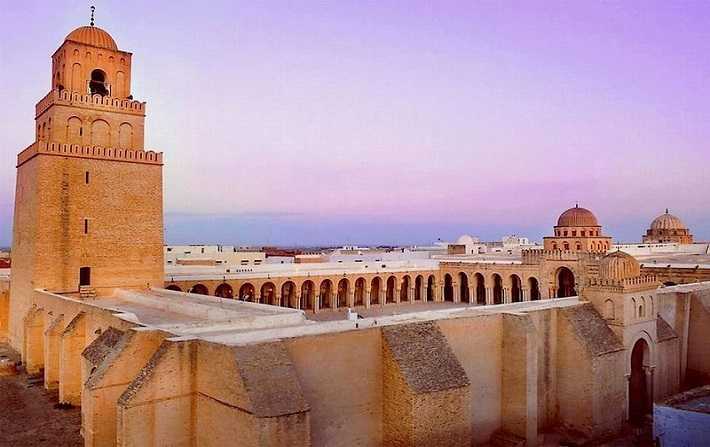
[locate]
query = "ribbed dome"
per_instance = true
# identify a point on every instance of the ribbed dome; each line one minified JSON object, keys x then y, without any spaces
{"x":619,"y":265}
{"x":94,"y":36}
{"x":667,"y":222}
{"x":577,"y":217}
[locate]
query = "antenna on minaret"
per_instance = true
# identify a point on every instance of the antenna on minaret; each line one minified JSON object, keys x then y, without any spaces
{"x":93,"y":8}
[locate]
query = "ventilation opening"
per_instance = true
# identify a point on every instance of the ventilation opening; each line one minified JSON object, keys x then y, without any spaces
{"x":98,"y":85}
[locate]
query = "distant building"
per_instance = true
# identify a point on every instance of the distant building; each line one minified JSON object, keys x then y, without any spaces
{"x":211,"y":255}
{"x":667,"y":228}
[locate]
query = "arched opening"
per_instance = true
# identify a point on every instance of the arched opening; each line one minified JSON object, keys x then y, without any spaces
{"x":343,"y":286}
{"x":224,"y":290}
{"x":246,"y":292}
{"x":174,"y":287}
{"x":418,"y":287}
{"x":565,"y":283}
{"x":268,"y":293}
{"x":360,"y":292}
{"x":404,"y":291}
{"x":497,"y":289}
{"x":534,"y":287}
{"x":100,"y":133}
{"x":97,"y":84}
{"x":308,"y":291}
{"x":480,"y":289}
{"x":463,"y":288}
{"x":74,"y":130}
{"x":326,"y":288}
{"x":639,"y":400}
{"x":391,"y":284}
{"x":288,"y":294}
{"x":448,"y":288}
{"x":516,"y":290}
{"x":375,"y":290}
{"x":430,"y":284}
{"x":199,"y":289}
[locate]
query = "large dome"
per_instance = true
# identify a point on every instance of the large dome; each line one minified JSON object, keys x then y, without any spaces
{"x":577,"y":217}
{"x":667,"y":221}
{"x":94,"y":36}
{"x":618,"y":265}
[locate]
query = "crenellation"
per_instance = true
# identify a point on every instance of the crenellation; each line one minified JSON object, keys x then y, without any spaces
{"x":92,"y":152}
{"x":77,"y":99}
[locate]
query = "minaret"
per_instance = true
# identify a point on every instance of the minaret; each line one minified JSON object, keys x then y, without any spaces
{"x":88,"y":202}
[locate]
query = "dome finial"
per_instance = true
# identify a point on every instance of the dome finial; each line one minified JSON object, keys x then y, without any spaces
{"x":93,"y":8}
{"x":667,"y":211}
{"x":576,"y":204}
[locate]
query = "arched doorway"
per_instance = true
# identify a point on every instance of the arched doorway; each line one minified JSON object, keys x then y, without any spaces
{"x":375,"y":290}
{"x":418,"y":287}
{"x":516,"y":291}
{"x":480,"y":289}
{"x":308,"y":290}
{"x":639,"y":398}
{"x":360,"y":292}
{"x":326,"y":288}
{"x":174,"y":287}
{"x":404,"y":291}
{"x":246,"y":292}
{"x":448,"y":288}
{"x":430,"y":284}
{"x":565,"y":283}
{"x":343,"y":288}
{"x":534,"y":287}
{"x":288,"y":294}
{"x":199,"y":289}
{"x":268,"y":293}
{"x":391,"y":284}
{"x":224,"y":290}
{"x":463,"y":288}
{"x":497,"y":289}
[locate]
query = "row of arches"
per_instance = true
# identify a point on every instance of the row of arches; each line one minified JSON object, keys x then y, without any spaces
{"x":327,"y":293}
{"x":578,"y":246}
{"x":477,"y":290}
{"x":100,"y":133}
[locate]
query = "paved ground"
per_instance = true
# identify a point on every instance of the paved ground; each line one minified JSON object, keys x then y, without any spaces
{"x":28,"y":416}
{"x":378,"y":311}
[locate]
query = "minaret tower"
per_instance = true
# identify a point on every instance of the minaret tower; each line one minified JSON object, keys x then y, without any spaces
{"x":88,"y":202}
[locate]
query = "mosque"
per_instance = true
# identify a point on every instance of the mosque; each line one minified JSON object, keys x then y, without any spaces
{"x":574,"y":339}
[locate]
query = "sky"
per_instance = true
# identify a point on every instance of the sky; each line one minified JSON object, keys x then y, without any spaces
{"x":395,"y":122}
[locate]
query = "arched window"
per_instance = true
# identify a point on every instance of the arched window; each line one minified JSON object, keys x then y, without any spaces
{"x":98,"y":84}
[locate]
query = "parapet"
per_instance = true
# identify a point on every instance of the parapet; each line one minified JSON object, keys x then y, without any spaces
{"x":93,"y":152}
{"x":66,"y":97}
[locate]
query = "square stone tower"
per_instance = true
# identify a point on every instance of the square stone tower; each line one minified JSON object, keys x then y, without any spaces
{"x":88,"y":202}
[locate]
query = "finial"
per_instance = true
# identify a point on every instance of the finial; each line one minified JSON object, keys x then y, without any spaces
{"x":666,"y":210}
{"x":93,"y":8}
{"x":576,"y":204}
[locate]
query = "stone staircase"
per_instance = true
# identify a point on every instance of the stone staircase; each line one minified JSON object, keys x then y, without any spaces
{"x":87,"y":293}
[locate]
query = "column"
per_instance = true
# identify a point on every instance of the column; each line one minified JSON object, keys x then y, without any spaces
{"x":316,"y":302}
{"x":506,"y":295}
{"x":351,"y":297}
{"x":526,"y":294}
{"x":334,"y":297}
{"x":489,"y":295}
{"x":422,"y":292}
{"x":298,"y":300}
{"x":366,"y":298}
{"x":471,"y":295}
{"x":457,"y":292}
{"x":412,"y":294}
{"x":383,"y":295}
{"x":397,"y":292}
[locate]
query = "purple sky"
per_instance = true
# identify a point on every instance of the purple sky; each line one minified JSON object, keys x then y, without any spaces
{"x":395,"y":121}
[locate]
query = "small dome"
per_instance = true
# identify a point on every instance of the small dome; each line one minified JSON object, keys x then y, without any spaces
{"x":619,"y":265}
{"x":94,"y":36}
{"x":577,"y":217}
{"x":466,"y":240}
{"x":667,"y":221}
